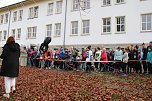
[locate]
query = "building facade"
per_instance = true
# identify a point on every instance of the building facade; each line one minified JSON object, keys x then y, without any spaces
{"x":77,"y":22}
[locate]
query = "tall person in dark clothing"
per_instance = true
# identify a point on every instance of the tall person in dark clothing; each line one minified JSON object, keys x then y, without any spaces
{"x":10,"y":65}
{"x":144,"y":60}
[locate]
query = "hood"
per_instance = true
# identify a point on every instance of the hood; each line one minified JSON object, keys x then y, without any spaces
{"x":14,"y":46}
{"x":139,"y":49}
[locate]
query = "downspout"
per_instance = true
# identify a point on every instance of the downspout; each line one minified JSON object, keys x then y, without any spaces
{"x":65,"y":18}
{"x":9,"y":22}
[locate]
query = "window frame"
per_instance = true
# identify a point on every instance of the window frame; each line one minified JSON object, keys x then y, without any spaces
{"x":103,"y":5}
{"x":59,"y":30}
{"x":58,"y":10}
{"x":50,"y":10}
{"x":20,"y":15}
{"x":2,"y":19}
{"x":121,"y":2}
{"x":49,"y":30}
{"x":1,"y":36}
{"x":14,"y":16}
{"x":146,"y":23}
{"x":4,"y":36}
{"x":32,"y":33}
{"x":13,"y":33}
{"x":120,"y":32}
{"x":18,"y":36}
{"x":106,"y":26}
{"x":75,"y":28}
{"x":88,"y":26}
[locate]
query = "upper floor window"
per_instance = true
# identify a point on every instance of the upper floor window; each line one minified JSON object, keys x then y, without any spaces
{"x":50,"y":9}
{"x":6,"y":18}
{"x":86,"y":27}
{"x":20,"y":15}
{"x":18,"y":36}
{"x":120,"y":24}
{"x":31,"y":32}
{"x":1,"y":19}
{"x":13,"y":33}
{"x":86,"y":4}
{"x":15,"y":16}
{"x":33,"y":12}
{"x":120,"y":1}
{"x":74,"y":28}
{"x":48,"y":30}
{"x":106,"y":25}
{"x":106,"y":2}
{"x":0,"y":35}
{"x":59,"y":7}
{"x":57,"y":29}
{"x":4,"y":35}
{"x":146,"y":22}
{"x":75,"y":5}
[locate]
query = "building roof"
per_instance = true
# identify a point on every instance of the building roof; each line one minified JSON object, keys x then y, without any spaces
{"x":18,"y":4}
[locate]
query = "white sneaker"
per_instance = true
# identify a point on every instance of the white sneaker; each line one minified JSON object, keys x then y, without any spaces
{"x":6,"y":95}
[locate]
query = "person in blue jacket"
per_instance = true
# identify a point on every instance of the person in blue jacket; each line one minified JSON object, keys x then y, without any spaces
{"x":149,"y":57}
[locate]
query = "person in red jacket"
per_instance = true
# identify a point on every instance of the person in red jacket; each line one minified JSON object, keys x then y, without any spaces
{"x":104,"y":58}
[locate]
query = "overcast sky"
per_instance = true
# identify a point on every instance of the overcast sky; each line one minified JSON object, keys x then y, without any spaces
{"x":8,"y":2}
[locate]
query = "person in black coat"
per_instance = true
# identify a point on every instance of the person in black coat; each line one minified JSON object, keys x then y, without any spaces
{"x":10,"y":65}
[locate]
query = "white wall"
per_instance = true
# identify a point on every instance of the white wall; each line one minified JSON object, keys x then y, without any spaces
{"x":132,"y":11}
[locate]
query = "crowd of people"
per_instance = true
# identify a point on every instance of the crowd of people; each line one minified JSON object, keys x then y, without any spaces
{"x":137,"y":59}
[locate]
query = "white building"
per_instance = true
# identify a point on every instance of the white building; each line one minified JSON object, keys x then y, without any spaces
{"x":80,"y":22}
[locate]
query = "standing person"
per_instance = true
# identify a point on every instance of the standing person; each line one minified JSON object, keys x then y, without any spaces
{"x":149,"y":57}
{"x":125,"y":61}
{"x":97,"y":57}
{"x":118,"y":57}
{"x":23,"y":59}
{"x":144,"y":60}
{"x":104,"y":60}
{"x":10,"y":65}
{"x":89,"y":59}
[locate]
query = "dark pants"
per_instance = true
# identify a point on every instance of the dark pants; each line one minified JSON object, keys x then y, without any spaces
{"x":124,"y":66}
{"x":138,"y":67}
{"x":145,"y":66}
{"x":88,"y":67}
{"x":149,"y":67}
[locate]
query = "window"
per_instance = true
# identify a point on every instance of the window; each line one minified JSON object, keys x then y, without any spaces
{"x":20,"y":15}
{"x":59,"y":7}
{"x":106,"y":23}
{"x":33,"y":12}
{"x":31,"y":32}
{"x":0,"y":35}
{"x":120,"y":27}
{"x":120,"y":1}
{"x":146,"y":22}
{"x":86,"y":24}
{"x":1,"y":19}
{"x":36,"y":11}
{"x":6,"y":18}
{"x":13,"y":33}
{"x":48,"y":30}
{"x":50,"y":9}
{"x":86,"y":4}
{"x":18,"y":36}
{"x":15,"y":16}
{"x":57,"y":29}
{"x":4,"y":35}
{"x":106,"y":2}
{"x":75,"y":5}
{"x":74,"y":27}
